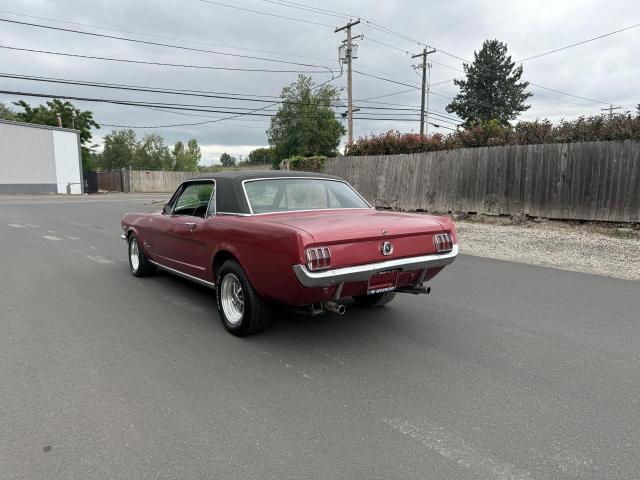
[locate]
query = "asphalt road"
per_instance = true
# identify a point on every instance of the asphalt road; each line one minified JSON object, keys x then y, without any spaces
{"x":506,"y":371}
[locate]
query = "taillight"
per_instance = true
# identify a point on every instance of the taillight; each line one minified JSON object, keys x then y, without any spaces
{"x":318,"y":258}
{"x":443,"y":242}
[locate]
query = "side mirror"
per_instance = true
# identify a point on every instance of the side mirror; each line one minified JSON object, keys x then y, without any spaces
{"x":166,"y":209}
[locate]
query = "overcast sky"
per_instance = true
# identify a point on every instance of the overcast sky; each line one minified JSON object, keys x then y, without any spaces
{"x":606,"y":70}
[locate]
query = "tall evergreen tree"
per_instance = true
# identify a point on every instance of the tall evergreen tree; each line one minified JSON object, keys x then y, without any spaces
{"x":492,"y":89}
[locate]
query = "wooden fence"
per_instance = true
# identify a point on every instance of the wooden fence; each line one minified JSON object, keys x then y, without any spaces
{"x":146,"y":181}
{"x":149,"y":181}
{"x":581,"y":181}
{"x":110,"y":181}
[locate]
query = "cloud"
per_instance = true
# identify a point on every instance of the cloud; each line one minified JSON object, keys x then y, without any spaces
{"x":211,"y":153}
{"x":605,"y":70}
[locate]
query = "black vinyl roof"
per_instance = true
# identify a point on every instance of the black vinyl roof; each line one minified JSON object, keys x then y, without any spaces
{"x":230,"y":197}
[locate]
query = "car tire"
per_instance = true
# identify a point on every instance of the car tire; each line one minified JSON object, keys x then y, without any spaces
{"x":139,"y":264}
{"x":375,"y":300}
{"x":242,"y":311}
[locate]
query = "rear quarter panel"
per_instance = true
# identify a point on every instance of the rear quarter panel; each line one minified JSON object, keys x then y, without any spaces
{"x":265,"y":251}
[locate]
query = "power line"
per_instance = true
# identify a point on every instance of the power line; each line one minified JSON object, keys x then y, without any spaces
{"x":235,"y":7}
{"x":401,"y":83}
{"x":568,"y":94}
{"x":160,"y":44}
{"x":212,"y":118}
{"x":388,"y":74}
{"x":207,"y":108}
{"x":388,"y":46}
{"x":384,"y":96}
{"x":181,"y":92}
{"x":530,"y":83}
{"x":384,"y":29}
{"x":334,"y":77}
{"x":162,"y":64}
{"x":555,"y":50}
{"x":386,"y":79}
{"x":301,"y":6}
{"x":308,"y":8}
{"x":391,"y":32}
{"x":194,"y":41}
{"x":177,"y":107}
{"x":122,"y":86}
{"x":529,"y":58}
{"x":164,"y":37}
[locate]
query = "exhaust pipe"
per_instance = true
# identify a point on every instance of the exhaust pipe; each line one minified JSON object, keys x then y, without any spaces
{"x":415,"y":289}
{"x":334,"y":307}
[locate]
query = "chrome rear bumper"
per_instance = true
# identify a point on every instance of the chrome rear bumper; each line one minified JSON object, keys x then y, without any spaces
{"x":362,"y":273}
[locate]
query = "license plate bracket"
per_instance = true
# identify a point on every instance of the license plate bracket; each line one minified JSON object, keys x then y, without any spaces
{"x":383,"y":282}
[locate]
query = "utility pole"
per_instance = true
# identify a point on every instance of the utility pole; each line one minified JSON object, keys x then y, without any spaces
{"x":425,"y":87}
{"x":348,"y":58}
{"x":611,"y":109}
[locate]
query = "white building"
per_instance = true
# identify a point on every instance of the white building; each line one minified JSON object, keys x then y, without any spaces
{"x":39,"y":159}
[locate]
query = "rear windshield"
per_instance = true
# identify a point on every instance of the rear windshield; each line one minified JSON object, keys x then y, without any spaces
{"x":290,"y":194}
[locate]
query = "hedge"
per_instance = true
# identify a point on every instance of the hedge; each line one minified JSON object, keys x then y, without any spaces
{"x":583,"y":129}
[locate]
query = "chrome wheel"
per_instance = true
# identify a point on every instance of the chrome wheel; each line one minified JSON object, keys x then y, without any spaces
{"x":134,"y":254}
{"x":232,"y":298}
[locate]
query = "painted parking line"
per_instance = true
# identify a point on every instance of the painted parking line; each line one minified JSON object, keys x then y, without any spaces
{"x":99,"y":259}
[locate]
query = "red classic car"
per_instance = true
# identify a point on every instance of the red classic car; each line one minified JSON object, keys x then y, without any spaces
{"x":294,"y":238}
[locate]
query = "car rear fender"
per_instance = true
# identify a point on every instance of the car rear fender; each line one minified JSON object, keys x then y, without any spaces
{"x":225,"y":252}
{"x":267,"y":255}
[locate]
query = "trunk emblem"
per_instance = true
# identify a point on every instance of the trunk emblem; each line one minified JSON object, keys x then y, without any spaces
{"x":386,"y":248}
{"x":384,"y":232}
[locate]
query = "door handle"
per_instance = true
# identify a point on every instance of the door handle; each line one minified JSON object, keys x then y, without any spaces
{"x":190,"y":225}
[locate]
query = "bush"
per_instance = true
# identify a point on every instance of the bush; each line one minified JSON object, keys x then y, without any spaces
{"x":306,"y":164}
{"x":491,"y":133}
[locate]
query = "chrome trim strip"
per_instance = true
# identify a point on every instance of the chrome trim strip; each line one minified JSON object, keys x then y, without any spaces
{"x":362,"y":273}
{"x":184,"y":275}
{"x":301,"y":178}
{"x":311,"y":210}
{"x":234,"y":214}
{"x":214,"y":195}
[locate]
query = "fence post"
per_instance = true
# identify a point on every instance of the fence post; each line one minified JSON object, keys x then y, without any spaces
{"x":126,"y":179}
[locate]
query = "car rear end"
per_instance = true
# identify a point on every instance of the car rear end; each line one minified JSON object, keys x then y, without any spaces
{"x":367,"y":253}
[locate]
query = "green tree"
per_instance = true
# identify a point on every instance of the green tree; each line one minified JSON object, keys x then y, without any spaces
{"x":6,"y":112}
{"x":152,"y":153}
{"x":492,"y":89}
{"x":119,"y":150}
{"x":227,"y":160}
{"x":305,"y":123}
{"x":186,"y":159}
{"x":71,"y":116}
{"x":261,"y":156}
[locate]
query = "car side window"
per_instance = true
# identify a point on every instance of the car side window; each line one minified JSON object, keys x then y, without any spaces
{"x":194,"y":200}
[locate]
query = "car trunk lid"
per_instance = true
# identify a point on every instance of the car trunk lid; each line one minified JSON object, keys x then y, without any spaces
{"x":356,"y":236}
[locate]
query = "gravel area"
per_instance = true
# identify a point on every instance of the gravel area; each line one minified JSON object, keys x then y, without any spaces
{"x":553,"y":246}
